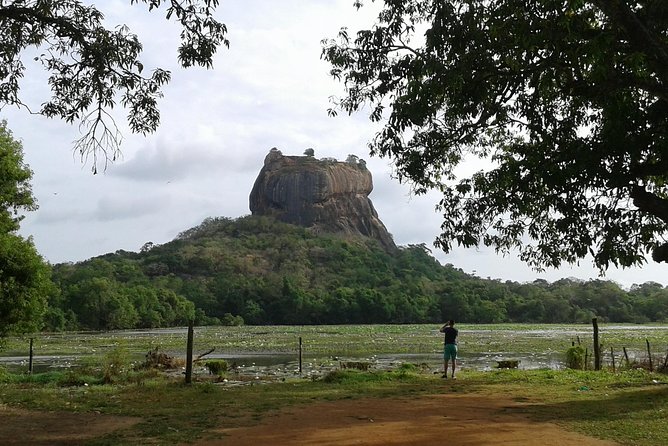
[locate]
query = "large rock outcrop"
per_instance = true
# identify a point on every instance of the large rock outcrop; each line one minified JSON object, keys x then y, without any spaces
{"x":325,"y":195}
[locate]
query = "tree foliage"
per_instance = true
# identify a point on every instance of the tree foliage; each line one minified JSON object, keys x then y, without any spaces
{"x":92,"y":67}
{"x":24,"y":276}
{"x":566,"y":100}
{"x":256,"y":270}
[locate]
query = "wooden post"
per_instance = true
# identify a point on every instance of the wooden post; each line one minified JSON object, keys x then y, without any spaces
{"x":649,"y":355}
{"x":30,"y":360}
{"x":612,"y":354}
{"x":300,"y":356}
{"x":597,"y":346}
{"x":586,"y":359}
{"x":189,"y":353}
{"x":626,"y":356}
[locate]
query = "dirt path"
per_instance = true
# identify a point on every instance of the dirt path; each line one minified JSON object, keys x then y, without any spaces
{"x":448,"y":419}
{"x":20,"y":427}
{"x":453,"y":420}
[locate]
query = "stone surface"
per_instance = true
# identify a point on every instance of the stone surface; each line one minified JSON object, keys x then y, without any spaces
{"x":325,"y":195}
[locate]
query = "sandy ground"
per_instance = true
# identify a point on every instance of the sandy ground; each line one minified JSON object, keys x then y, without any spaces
{"x":37,"y":428}
{"x":447,"y":419}
{"x":438,"y":420}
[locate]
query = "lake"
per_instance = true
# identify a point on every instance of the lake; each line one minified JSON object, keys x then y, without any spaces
{"x":273,"y":350}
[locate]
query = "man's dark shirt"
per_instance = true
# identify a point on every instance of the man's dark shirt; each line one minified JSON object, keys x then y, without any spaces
{"x":450,"y":335}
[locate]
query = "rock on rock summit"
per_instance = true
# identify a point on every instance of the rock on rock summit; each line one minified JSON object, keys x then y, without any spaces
{"x":325,"y":195}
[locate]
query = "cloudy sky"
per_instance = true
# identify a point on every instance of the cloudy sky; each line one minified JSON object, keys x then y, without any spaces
{"x":270,"y":89}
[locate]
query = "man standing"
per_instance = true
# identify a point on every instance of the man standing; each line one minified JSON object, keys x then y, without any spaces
{"x":450,"y":347}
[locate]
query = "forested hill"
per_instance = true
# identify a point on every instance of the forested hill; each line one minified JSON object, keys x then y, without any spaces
{"x":256,"y":270}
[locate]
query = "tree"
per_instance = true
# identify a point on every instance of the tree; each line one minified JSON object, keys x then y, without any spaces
{"x":89,"y":65}
{"x":565,"y":100}
{"x":24,"y":276}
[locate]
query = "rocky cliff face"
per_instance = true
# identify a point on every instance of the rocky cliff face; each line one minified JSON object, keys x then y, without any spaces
{"x":325,"y":195}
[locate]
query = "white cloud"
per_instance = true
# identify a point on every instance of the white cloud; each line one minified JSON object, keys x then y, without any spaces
{"x":270,"y":89}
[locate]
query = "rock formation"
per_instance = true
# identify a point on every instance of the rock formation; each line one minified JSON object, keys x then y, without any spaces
{"x":325,"y":195}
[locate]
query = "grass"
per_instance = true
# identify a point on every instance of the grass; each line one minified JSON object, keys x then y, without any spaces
{"x":172,"y":412}
{"x":629,"y":406}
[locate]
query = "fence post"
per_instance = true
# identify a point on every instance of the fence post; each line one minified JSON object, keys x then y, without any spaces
{"x":649,"y":355}
{"x":626,"y":356}
{"x":30,"y":360}
{"x":189,"y":352}
{"x":300,"y":356}
{"x":612,"y":353}
{"x":597,"y":346}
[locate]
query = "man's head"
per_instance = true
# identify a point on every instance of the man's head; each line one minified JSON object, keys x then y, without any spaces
{"x":451,"y":322}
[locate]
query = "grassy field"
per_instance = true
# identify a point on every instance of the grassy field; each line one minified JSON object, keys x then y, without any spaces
{"x":629,"y":406}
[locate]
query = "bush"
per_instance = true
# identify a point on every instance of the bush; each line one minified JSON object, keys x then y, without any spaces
{"x":155,"y":359}
{"x":73,"y":378}
{"x":114,"y":364}
{"x":508,"y":364}
{"x":217,"y":366}
{"x":229,"y":320}
{"x":5,"y":376}
{"x":575,"y":357}
{"x":364,"y":366}
{"x":408,"y":367}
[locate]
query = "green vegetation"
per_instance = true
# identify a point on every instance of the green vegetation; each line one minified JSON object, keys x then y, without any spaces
{"x":628,"y":407}
{"x":216,"y":366}
{"x":562,"y":102}
{"x":575,"y":357}
{"x":92,"y":68}
{"x":166,"y":348}
{"x":24,"y":276}
{"x":255,"y":270}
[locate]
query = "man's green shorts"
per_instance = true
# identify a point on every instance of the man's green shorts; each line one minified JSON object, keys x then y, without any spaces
{"x":450,"y":352}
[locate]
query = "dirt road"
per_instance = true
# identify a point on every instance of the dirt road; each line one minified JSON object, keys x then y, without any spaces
{"x":427,"y":420}
{"x":434,"y":420}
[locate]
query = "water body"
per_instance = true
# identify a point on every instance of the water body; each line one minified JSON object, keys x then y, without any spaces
{"x":286,"y":364}
{"x":424,"y":340}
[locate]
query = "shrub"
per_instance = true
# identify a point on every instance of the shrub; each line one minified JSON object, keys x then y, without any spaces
{"x":364,"y":366}
{"x":408,"y":367}
{"x":230,"y":320}
{"x":155,"y":359}
{"x":216,"y":366}
{"x":4,"y":375}
{"x":508,"y":364}
{"x":74,"y":377}
{"x":575,"y":357}
{"x":114,"y":364}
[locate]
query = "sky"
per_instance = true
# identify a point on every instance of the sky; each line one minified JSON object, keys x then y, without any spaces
{"x":269,"y":89}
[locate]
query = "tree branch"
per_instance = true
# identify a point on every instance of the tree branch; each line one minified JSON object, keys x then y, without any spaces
{"x":640,"y":36}
{"x":650,"y":203}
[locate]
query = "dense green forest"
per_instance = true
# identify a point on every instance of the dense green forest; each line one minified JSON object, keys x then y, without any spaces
{"x":254,"y":270}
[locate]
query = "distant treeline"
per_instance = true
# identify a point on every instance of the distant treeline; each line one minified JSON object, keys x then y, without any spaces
{"x":254,"y":270}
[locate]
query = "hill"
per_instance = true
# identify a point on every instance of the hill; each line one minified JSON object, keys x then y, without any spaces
{"x":257,"y":270}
